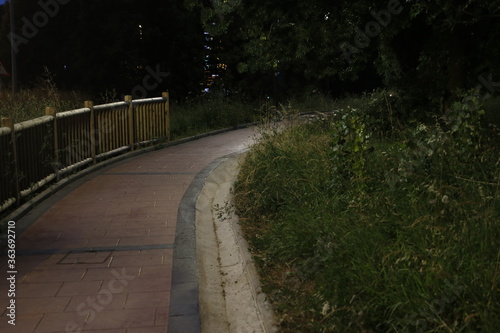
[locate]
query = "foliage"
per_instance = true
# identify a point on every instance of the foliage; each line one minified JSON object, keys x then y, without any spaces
{"x":359,"y":232}
{"x":425,"y":49}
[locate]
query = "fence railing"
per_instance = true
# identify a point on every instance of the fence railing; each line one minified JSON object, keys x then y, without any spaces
{"x":37,"y":152}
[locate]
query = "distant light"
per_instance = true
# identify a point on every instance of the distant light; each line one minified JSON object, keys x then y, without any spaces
{"x":140,"y":31}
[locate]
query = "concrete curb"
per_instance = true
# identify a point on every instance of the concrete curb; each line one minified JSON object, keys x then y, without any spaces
{"x":230,"y":298}
{"x":184,"y":315}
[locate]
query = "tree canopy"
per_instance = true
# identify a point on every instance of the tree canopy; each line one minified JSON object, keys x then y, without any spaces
{"x":424,"y":48}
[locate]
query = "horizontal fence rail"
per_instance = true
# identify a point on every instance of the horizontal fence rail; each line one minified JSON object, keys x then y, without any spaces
{"x":37,"y":152}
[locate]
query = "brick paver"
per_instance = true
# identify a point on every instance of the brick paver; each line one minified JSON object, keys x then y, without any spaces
{"x":100,"y":258}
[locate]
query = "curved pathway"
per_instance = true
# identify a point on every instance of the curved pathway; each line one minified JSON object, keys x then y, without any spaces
{"x":106,"y":255}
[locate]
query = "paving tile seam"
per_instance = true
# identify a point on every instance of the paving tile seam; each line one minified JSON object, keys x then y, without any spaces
{"x":96,"y":249}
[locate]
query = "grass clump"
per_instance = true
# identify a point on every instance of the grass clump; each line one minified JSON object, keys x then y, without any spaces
{"x":357,"y":232}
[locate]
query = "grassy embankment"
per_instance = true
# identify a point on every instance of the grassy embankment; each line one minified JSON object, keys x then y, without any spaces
{"x":361,"y":224}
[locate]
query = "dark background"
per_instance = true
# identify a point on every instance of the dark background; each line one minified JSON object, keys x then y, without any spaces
{"x":260,"y":48}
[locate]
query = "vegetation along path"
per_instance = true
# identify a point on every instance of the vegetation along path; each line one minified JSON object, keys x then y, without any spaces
{"x":359,"y":226}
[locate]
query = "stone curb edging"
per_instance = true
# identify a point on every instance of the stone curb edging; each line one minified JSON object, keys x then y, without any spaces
{"x":184,"y":313}
{"x":186,"y":310}
{"x":231,"y":297}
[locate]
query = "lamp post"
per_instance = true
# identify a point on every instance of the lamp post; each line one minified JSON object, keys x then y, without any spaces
{"x":12,"y":51}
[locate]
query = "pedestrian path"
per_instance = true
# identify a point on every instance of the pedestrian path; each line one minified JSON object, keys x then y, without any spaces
{"x":98,"y":255}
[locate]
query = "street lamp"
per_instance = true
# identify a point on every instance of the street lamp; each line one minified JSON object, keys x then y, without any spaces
{"x":12,"y":51}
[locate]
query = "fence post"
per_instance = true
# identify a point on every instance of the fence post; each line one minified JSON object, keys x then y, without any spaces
{"x":50,"y":111}
{"x":130,"y":118}
{"x":167,"y":113}
{"x":90,"y":105}
{"x":9,"y":122}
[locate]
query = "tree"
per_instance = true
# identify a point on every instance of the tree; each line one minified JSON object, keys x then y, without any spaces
{"x":302,"y":40}
{"x":457,"y":44}
{"x":426,"y":49}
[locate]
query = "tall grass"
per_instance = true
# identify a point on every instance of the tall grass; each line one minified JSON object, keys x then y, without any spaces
{"x":31,"y":103}
{"x":358,"y":232}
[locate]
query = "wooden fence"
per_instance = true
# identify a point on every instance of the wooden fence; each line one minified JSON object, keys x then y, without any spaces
{"x":37,"y":152}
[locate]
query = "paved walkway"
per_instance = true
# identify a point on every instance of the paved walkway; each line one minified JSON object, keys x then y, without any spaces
{"x":98,"y":255}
